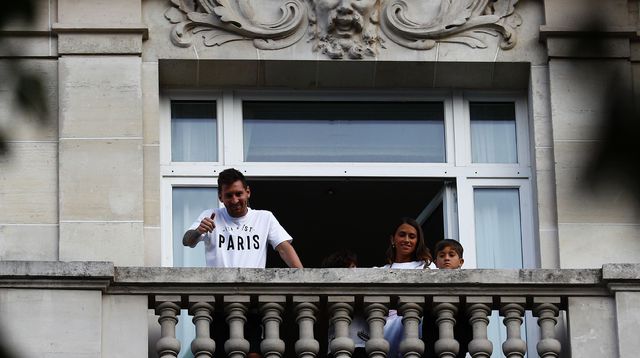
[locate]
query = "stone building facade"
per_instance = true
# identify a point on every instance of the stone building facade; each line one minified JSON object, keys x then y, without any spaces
{"x":101,"y":180}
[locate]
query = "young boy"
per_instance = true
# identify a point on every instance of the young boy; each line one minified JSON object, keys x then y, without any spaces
{"x":358,"y":329}
{"x":449,"y":254}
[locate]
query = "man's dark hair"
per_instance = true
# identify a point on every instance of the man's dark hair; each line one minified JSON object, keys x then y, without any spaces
{"x":455,"y":245}
{"x":230,"y":176}
{"x":340,"y":259}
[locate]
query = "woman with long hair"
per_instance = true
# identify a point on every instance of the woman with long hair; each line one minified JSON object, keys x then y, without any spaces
{"x":407,"y":250}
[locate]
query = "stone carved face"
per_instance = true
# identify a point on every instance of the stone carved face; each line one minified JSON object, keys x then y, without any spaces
{"x":346,"y":28}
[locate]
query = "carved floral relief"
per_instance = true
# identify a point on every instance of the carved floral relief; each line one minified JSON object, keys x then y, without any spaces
{"x":345,"y":28}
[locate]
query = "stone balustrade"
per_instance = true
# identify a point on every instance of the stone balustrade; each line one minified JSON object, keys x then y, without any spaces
{"x":297,"y":306}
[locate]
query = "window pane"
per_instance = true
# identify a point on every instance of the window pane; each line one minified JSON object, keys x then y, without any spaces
{"x":498,"y":243}
{"x":408,"y":132}
{"x":493,"y":133}
{"x":188,"y":203}
{"x":498,"y":233}
{"x":194,"y":136}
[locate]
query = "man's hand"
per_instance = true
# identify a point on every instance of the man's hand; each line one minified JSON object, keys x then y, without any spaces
{"x":192,"y":237}
{"x":207,"y":224}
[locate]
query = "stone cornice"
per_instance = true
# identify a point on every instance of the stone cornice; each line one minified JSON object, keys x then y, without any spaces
{"x":606,"y":32}
{"x":81,"y":275}
{"x":61,"y":28}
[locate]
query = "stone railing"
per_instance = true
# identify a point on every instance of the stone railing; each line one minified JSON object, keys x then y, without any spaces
{"x":297,"y":306}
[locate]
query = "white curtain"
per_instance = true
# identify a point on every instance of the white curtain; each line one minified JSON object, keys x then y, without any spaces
{"x":194,"y":136}
{"x":187,"y":204}
{"x":493,"y":141}
{"x":193,"y":140}
{"x":498,"y":243}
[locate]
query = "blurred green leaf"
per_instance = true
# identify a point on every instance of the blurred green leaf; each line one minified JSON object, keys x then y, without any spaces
{"x":4,"y":149}
{"x":12,"y":10}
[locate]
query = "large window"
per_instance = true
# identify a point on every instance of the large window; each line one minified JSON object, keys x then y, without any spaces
{"x":305,"y":131}
{"x":336,"y":167}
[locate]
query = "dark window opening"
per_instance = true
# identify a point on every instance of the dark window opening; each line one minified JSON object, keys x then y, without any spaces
{"x":326,"y":215}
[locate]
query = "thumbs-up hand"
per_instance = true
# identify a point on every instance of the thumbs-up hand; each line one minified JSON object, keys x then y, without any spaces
{"x":207,"y":224}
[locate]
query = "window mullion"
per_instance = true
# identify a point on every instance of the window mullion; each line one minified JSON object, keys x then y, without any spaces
{"x":461,"y":130}
{"x":232,"y":129}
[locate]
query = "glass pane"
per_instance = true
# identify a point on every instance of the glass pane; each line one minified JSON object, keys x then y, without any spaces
{"x":493,"y":133}
{"x":498,"y":233}
{"x":188,"y":203}
{"x":194,"y":136}
{"x":498,"y":242}
{"x":411,"y":132}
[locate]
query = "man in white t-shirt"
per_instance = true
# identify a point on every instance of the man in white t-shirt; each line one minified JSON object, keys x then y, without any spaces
{"x":236,"y":235}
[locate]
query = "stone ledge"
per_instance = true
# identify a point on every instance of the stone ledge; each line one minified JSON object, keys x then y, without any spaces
{"x":80,"y":275}
{"x":576,"y":31}
{"x":104,"y":276}
{"x":56,"y":269}
{"x":621,"y":272}
{"x":376,"y":276}
{"x":102,"y":28}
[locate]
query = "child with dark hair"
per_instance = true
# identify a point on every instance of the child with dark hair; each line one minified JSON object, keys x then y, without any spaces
{"x":449,"y":256}
{"x":358,"y":329}
{"x":343,"y":258}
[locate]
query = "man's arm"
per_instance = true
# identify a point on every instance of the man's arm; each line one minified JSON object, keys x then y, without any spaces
{"x":191,"y":238}
{"x":289,"y":254}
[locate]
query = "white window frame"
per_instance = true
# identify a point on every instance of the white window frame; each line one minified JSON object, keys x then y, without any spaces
{"x":167,"y":167}
{"x":522,"y":129}
{"x":458,"y":165}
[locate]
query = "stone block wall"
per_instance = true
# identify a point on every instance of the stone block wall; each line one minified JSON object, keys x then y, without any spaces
{"x":29,"y":174}
{"x":601,"y":225}
{"x":86,"y":186}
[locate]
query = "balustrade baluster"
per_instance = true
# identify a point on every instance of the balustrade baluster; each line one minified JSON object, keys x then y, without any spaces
{"x":512,"y":309}
{"x":445,"y":309}
{"x":410,"y":308}
{"x":341,"y":309}
{"x":306,"y":309}
{"x":236,"y":308}
{"x":168,"y":308}
{"x":377,"y":309}
{"x":201,"y":308}
{"x":546,"y":309}
{"x":479,"y":308}
{"x":272,"y":308}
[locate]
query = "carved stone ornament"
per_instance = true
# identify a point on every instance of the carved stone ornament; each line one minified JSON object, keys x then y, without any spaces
{"x":345,"y":28}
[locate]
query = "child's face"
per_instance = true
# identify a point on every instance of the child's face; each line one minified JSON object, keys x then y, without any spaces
{"x":448,"y":258}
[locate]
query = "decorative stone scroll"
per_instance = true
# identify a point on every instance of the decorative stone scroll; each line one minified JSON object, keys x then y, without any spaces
{"x":345,"y":28}
{"x":457,"y":21}
{"x":222,"y":21}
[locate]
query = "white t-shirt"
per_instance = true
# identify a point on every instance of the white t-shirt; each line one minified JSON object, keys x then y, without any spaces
{"x":240,"y":242}
{"x":411,"y":265}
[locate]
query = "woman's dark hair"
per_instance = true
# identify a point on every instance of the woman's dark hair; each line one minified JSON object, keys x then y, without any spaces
{"x":422,"y":251}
